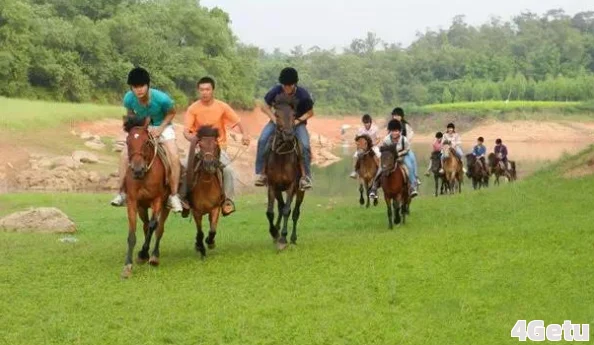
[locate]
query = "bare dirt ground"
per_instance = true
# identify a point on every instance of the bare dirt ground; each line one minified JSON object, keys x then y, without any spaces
{"x":45,"y":161}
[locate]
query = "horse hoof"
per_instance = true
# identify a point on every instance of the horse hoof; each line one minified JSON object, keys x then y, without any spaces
{"x":211,"y":245}
{"x":141,"y":260}
{"x":154,"y":261}
{"x":294,"y":241}
{"x":127,"y":272}
{"x":281,"y":246}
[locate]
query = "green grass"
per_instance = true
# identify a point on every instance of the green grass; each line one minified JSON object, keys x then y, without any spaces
{"x":21,"y":114}
{"x":501,"y":106}
{"x":461,"y":271}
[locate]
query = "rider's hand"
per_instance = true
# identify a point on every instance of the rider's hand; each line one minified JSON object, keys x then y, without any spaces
{"x":156,"y":132}
{"x":245,"y":140}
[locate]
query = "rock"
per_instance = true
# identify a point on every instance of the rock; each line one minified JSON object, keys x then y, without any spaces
{"x":96,"y":138}
{"x":94,"y":177}
{"x":38,"y":220}
{"x":84,"y":157}
{"x":65,"y":161}
{"x":86,"y":136}
{"x":95,"y":145}
{"x":44,"y":163}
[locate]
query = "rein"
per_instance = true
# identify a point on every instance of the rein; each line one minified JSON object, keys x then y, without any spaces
{"x":278,"y":151}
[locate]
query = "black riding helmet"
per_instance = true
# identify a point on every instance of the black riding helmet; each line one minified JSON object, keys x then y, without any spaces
{"x":439,"y":135}
{"x":481,"y":139}
{"x":394,"y":125}
{"x":498,"y":141}
{"x":288,"y":76}
{"x":139,"y":76}
{"x":451,"y":125}
{"x":366,"y":118}
{"x":398,"y":111}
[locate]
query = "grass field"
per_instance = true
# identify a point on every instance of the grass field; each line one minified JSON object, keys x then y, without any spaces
{"x":21,"y":114}
{"x":461,"y":271}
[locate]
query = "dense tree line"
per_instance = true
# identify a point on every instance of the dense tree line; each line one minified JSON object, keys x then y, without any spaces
{"x":78,"y":50}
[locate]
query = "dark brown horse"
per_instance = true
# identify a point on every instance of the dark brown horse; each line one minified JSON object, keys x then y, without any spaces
{"x":283,"y":169}
{"x":452,"y":167}
{"x":479,"y":173}
{"x":498,"y":168}
{"x":146,"y":187}
{"x":395,"y":185}
{"x":366,"y":166}
{"x":204,"y":177}
{"x":435,"y":166}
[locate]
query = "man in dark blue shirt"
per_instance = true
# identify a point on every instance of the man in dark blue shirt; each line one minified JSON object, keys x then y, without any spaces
{"x":288,"y":85}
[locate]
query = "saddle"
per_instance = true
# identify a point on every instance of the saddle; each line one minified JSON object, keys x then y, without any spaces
{"x":162,"y":154}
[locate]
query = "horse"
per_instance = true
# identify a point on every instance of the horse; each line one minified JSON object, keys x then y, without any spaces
{"x":435,"y":165}
{"x":366,"y":167}
{"x":498,"y":169}
{"x":146,"y":187}
{"x":452,"y":167}
{"x":478,"y":172}
{"x":395,"y":185}
{"x":283,"y":169}
{"x":204,"y":178}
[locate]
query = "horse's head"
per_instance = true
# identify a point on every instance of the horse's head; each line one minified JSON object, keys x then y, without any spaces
{"x":137,"y":143}
{"x":364,"y":143}
{"x":285,"y":106}
{"x":492,"y":159}
{"x":388,"y":157}
{"x":446,"y":149}
{"x":210,"y":151}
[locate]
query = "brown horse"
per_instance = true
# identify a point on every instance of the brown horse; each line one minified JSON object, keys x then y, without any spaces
{"x":204,"y":177}
{"x":146,"y":187}
{"x":395,"y":185}
{"x":435,"y":165}
{"x":366,"y":166}
{"x":499,"y":169}
{"x":283,"y":169}
{"x":452,"y":167}
{"x":479,"y":173}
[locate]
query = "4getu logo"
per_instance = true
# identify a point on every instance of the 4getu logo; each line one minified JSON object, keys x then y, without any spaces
{"x":536,"y":331}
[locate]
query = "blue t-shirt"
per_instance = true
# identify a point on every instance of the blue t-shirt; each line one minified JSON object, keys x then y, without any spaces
{"x":304,"y":101}
{"x":158,"y":106}
{"x":479,"y":150}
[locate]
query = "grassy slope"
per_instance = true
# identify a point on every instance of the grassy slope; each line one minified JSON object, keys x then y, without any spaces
{"x":462,"y":271}
{"x":20,"y":114}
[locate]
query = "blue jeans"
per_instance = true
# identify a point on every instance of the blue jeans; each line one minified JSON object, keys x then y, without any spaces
{"x":413,"y":157}
{"x":302,"y":137}
{"x":411,"y":164}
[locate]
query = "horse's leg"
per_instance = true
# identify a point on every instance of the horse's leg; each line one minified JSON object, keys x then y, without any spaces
{"x":199,"y":245}
{"x":127,"y":271}
{"x":270,"y":214}
{"x":366,"y":189}
{"x":280,"y":202}
{"x":154,"y":260}
{"x":156,"y":225}
{"x":435,"y":177}
{"x":389,"y":206}
{"x":213,"y":218}
{"x":143,"y":254}
{"x":296,"y":213}
{"x":396,"y":208}
{"x":282,"y":242}
{"x":361,"y":200}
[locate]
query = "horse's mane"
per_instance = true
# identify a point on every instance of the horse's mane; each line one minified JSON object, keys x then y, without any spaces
{"x":284,"y":99}
{"x":133,"y":121}
{"x":367,"y":139}
{"x":388,"y":148}
{"x":208,"y":131}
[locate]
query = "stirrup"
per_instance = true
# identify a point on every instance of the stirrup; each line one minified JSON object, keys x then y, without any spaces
{"x":225,"y":214}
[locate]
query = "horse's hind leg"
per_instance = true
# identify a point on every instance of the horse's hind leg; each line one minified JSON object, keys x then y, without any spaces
{"x":143,"y":254}
{"x":213,"y":218}
{"x":282,"y":242}
{"x":296,"y":213}
{"x":154,"y":260}
{"x":361,"y":200}
{"x":199,"y":245}
{"x":270,"y":215}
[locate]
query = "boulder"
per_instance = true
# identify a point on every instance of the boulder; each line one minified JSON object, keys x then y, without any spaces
{"x":95,"y":145}
{"x":38,"y":220}
{"x":84,"y":157}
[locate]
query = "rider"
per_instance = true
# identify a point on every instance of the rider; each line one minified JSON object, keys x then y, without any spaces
{"x":501,"y":153}
{"x":435,"y":149}
{"x":403,"y":148}
{"x":209,"y":111}
{"x":144,"y":101}
{"x":288,"y":79}
{"x":455,"y":141}
{"x":407,"y":131}
{"x":369,"y":129}
{"x":479,"y":152}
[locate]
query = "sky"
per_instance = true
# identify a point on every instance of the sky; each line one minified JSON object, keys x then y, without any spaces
{"x":284,"y":24}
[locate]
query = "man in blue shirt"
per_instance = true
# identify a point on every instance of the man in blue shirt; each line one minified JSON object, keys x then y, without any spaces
{"x":143,"y":101}
{"x":479,"y":153}
{"x":288,"y":85}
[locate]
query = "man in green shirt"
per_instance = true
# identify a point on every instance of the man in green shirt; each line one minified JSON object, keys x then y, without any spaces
{"x":143,"y":101}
